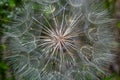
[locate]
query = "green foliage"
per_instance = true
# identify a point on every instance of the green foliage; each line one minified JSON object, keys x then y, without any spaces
{"x":113,"y":76}
{"x":3,"y":66}
{"x":6,"y":8}
{"x":110,"y":5}
{"x":12,"y":3}
{"x":118,"y":24}
{"x":109,"y":77}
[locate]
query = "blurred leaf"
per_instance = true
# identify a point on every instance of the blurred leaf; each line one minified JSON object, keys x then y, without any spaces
{"x":11,"y":3}
{"x":9,"y":79}
{"x":3,"y":66}
{"x":109,"y":77}
{"x":118,"y":24}
{"x":2,"y":46}
{"x":110,"y":5}
{"x":114,"y":76}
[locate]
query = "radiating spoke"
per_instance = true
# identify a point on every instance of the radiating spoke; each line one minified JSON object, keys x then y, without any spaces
{"x":69,"y":44}
{"x":62,"y":22}
{"x":44,"y":27}
{"x":71,"y":55}
{"x":53,"y":52}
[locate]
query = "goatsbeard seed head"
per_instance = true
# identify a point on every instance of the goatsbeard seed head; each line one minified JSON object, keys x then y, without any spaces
{"x":60,"y":40}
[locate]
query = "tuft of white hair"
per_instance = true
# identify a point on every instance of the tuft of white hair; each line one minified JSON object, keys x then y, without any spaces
{"x":60,"y":40}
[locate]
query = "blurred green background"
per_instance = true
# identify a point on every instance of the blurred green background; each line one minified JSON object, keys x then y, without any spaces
{"x":7,"y":8}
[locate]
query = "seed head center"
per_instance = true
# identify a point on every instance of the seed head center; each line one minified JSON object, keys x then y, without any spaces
{"x":58,"y":38}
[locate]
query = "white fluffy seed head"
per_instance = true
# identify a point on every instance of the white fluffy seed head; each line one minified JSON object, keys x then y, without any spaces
{"x":60,"y":40}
